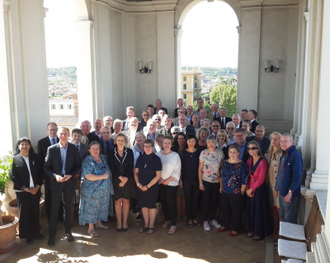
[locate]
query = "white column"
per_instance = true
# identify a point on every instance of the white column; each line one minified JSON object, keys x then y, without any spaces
{"x":319,"y":178}
{"x":85,"y":71}
{"x":23,"y":65}
{"x":178,"y":34}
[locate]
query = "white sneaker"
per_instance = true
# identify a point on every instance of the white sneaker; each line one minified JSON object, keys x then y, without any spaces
{"x":215,"y":224}
{"x":207,"y":226}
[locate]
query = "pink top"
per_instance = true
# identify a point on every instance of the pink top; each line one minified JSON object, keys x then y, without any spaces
{"x":259,"y":175}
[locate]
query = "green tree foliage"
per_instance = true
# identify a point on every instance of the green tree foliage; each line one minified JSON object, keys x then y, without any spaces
{"x":225,"y":96}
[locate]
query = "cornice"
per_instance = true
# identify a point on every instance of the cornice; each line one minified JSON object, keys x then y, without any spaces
{"x":267,"y":3}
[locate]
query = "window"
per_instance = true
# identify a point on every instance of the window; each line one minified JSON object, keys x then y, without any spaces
{"x":184,"y":86}
{"x":195,"y":94}
{"x":184,"y":96}
{"x":61,"y":107}
{"x":53,"y":106}
{"x":69,"y":106}
{"x":184,"y":78}
{"x":195,"y":85}
{"x":195,"y":77}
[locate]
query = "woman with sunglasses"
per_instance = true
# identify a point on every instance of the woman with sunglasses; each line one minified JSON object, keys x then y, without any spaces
{"x":257,"y":217}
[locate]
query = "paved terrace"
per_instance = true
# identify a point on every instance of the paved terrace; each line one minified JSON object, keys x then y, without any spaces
{"x":186,"y":245}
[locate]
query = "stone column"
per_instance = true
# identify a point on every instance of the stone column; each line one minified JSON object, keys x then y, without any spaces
{"x":249,"y":56}
{"x":85,"y":71}
{"x":24,"y":88}
{"x":178,"y":34}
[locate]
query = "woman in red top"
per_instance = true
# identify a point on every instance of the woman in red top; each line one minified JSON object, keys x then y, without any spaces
{"x":257,"y":214}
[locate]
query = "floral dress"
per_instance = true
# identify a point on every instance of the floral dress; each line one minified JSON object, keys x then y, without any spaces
{"x":212,"y":162}
{"x":95,"y":201}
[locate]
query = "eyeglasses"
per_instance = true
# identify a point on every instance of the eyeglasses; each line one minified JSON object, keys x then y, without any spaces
{"x":145,"y":115}
{"x":228,"y":128}
{"x":157,"y":119}
{"x":53,"y":130}
{"x":252,"y":148}
{"x":215,"y":125}
{"x":147,"y":146}
{"x":105,"y":132}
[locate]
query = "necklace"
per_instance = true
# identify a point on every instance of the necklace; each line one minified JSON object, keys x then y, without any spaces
{"x":145,"y":160}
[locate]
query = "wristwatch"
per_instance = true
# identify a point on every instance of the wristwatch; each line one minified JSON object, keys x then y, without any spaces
{"x":290,"y":191}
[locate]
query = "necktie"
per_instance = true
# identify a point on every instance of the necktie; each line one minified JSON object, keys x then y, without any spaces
{"x":223,"y":123}
{"x":78,"y":147}
{"x":106,"y":150}
{"x":53,"y":141}
{"x":214,"y":116}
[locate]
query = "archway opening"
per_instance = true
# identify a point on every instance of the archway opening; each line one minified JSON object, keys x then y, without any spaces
{"x":207,"y":51}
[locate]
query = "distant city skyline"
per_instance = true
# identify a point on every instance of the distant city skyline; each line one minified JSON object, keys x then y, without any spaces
{"x":209,"y":37}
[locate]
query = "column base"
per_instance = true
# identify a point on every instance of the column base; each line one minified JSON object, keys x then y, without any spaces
{"x":319,"y":180}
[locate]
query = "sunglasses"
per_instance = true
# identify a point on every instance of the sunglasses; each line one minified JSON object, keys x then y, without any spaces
{"x":230,"y":128}
{"x":157,"y":119}
{"x":252,"y":148}
{"x":145,"y":115}
{"x":215,"y":125}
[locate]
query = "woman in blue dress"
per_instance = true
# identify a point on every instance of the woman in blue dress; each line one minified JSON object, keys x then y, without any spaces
{"x":96,"y":188}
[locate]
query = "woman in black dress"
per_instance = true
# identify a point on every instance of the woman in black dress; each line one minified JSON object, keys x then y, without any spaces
{"x":189,"y":179}
{"x":121,"y":162}
{"x":27,"y":176}
{"x":148,"y":170}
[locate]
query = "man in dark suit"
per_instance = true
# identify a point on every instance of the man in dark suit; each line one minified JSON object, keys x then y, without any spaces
{"x":252,"y":115}
{"x":62,"y":163}
{"x":85,"y":127}
{"x":223,"y":120}
{"x":263,"y":141}
{"x":107,"y":143}
{"x":166,"y":130}
{"x":159,"y":106}
{"x":180,"y":104}
{"x":42,"y":146}
{"x":240,"y":137}
{"x":82,"y":148}
{"x":214,"y":114}
{"x":186,"y":129}
{"x":98,"y":124}
{"x":131,"y":132}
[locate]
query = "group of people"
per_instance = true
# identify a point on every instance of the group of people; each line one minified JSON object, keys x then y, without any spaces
{"x":197,"y":158}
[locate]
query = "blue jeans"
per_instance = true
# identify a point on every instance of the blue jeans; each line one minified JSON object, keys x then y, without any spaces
{"x":289,"y":211}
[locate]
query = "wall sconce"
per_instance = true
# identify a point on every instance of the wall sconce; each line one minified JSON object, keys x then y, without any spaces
{"x":145,"y":70}
{"x":270,"y":67}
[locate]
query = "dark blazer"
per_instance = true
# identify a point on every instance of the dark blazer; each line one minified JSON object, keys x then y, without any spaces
{"x":254,"y":124}
{"x":155,"y":110}
{"x":115,"y":165}
{"x":102,"y":146}
{"x":165,"y":131}
{"x":226,"y":121}
{"x":19,"y":173}
{"x":83,"y":151}
{"x":53,"y":164}
{"x":92,"y":137}
{"x":264,"y":143}
{"x":42,"y":146}
{"x":190,"y":130}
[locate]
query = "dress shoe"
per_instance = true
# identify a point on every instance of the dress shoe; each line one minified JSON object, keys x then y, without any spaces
{"x":38,"y":236}
{"x":51,"y":242}
{"x":29,"y":240}
{"x":69,"y":236}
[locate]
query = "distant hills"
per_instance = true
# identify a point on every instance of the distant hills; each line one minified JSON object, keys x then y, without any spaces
{"x":212,"y":72}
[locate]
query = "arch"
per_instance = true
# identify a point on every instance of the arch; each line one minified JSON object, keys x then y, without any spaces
{"x":83,"y":8}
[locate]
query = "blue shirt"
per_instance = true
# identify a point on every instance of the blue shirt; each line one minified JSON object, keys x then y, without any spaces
{"x":63,"y":156}
{"x":51,"y":140}
{"x":242,"y":148}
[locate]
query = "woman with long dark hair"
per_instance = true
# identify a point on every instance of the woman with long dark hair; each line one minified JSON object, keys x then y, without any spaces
{"x":27,"y":176}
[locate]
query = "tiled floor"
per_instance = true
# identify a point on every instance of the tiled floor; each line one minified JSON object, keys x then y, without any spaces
{"x":186,"y":245}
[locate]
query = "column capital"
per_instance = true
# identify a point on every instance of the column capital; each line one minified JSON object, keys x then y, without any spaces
{"x":239,"y":29}
{"x":84,"y":24}
{"x":178,"y":31}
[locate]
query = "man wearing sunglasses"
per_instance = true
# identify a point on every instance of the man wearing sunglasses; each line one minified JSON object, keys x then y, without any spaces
{"x":215,"y":127}
{"x":230,"y":128}
{"x":259,"y":137}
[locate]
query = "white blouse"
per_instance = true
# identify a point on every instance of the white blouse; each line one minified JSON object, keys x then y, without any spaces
{"x":171,"y":167}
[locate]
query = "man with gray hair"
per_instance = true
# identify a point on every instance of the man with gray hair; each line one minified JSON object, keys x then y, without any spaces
{"x":106,"y":142}
{"x":98,"y":124}
{"x":214,"y":114}
{"x":230,"y":128}
{"x":181,"y":112}
{"x":85,"y":127}
{"x":222,"y":117}
{"x":288,"y":179}
{"x":180,"y":105}
{"x":260,"y":138}
{"x":159,"y":106}
{"x":237,"y":120}
{"x":166,"y":130}
{"x":150,"y":132}
{"x":117,"y":126}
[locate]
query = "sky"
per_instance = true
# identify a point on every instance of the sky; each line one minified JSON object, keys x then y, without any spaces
{"x":209,"y":37}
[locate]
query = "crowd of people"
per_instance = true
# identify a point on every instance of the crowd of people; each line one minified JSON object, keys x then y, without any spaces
{"x":188,"y":161}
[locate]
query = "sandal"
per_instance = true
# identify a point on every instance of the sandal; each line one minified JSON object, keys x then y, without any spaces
{"x":196,"y":223}
{"x":172,"y":230}
{"x":93,"y":233}
{"x":257,"y":238}
{"x":189,"y":224}
{"x":233,"y":234}
{"x":250,"y":234}
{"x":166,"y":224}
{"x":222,"y":229}
{"x":102,"y":227}
{"x":143,"y":229}
{"x":150,"y":230}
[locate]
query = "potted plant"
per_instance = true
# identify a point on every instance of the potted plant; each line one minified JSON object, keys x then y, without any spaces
{"x":8,"y":224}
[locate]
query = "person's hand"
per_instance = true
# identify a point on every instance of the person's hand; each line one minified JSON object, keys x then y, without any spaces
{"x":121,"y":184}
{"x":275,"y":193}
{"x":144,"y":188}
{"x":33,"y":190}
{"x":287,"y":198}
{"x":105,"y":175}
{"x":218,"y":178}
{"x":67,"y":177}
{"x":166,"y":182}
{"x":249,"y":192}
{"x":124,"y":180}
{"x":161,"y":181}
{"x":201,"y":187}
{"x":220,"y":190}
{"x":181,"y":184}
{"x":60,"y":179}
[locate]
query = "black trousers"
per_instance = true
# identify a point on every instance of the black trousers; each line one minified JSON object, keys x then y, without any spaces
{"x":48,"y":202}
{"x":65,"y":194}
{"x":168,"y":201}
{"x":209,"y":200}
{"x":232,"y":209}
{"x":28,"y":205}
{"x":191,"y":195}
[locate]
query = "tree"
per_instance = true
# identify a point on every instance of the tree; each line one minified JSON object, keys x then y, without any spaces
{"x":206,"y":106}
{"x":225,"y":96}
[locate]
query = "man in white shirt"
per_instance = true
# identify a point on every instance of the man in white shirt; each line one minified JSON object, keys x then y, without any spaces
{"x":237,"y":120}
{"x":130,"y":114}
